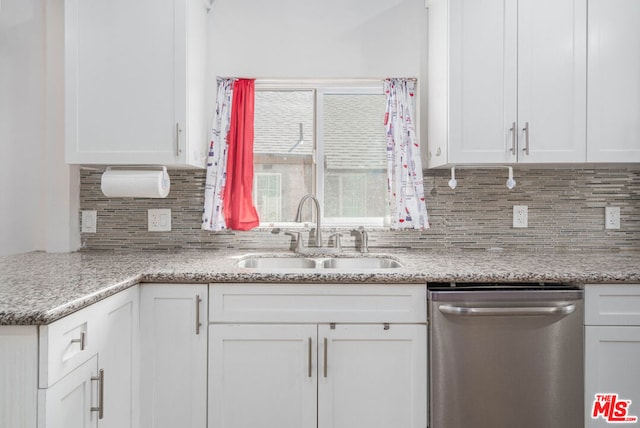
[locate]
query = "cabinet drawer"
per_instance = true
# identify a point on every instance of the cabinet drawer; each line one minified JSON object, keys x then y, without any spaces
{"x":66,"y":344}
{"x":612,"y":304}
{"x":399,"y":303}
{"x":71,"y":341}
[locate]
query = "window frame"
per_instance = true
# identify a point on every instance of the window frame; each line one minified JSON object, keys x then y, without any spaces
{"x":321,"y":88}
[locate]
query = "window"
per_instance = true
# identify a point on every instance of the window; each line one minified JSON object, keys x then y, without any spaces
{"x":328,"y":140}
{"x":268,"y":196}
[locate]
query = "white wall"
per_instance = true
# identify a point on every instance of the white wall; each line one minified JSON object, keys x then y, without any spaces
{"x":321,"y":38}
{"x":21,"y":125}
{"x":38,"y":208}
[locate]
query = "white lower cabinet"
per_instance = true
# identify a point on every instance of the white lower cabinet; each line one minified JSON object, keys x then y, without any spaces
{"x":224,"y":356}
{"x":88,"y":366}
{"x":173,"y":332}
{"x":297,"y":374}
{"x":263,"y":375}
{"x":372,"y":376}
{"x":18,"y":376}
{"x":612,"y":354}
{"x":69,"y":403}
{"x":119,"y":361}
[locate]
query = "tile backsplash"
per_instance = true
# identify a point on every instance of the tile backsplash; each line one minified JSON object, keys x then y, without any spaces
{"x":565,"y":208}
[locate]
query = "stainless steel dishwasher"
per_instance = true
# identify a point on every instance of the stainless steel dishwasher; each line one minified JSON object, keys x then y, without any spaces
{"x":506,"y":355}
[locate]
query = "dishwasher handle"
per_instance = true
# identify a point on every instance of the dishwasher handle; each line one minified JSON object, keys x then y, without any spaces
{"x":507,"y":311}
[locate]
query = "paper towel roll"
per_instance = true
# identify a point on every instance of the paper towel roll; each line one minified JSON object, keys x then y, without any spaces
{"x":118,"y":183}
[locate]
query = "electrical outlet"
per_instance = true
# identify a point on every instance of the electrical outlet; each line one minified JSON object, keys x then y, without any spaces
{"x":612,"y":217}
{"x":89,"y":220}
{"x":159,"y":220}
{"x":520,"y":216}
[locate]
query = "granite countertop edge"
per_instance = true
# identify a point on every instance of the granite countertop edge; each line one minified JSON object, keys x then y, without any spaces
{"x":39,"y":288}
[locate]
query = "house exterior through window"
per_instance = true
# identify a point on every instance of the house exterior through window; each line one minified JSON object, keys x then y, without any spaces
{"x":324,"y":138}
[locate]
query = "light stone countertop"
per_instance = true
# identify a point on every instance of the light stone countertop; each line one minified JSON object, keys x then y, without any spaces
{"x":38,"y":288}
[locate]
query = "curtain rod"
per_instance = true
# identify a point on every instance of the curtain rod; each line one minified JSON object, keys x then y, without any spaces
{"x":325,"y":80}
{"x":311,"y":83}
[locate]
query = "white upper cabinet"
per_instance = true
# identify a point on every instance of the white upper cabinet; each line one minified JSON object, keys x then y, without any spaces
{"x":613,"y":112}
{"x":507,"y":81}
{"x":552,"y":63}
{"x":134,"y":79}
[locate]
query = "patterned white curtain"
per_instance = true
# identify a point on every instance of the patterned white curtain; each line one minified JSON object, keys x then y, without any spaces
{"x":404,"y":167}
{"x":213,"y":216}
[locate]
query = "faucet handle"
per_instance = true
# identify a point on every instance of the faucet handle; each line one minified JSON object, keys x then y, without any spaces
{"x":365,"y":239}
{"x":296,"y":241}
{"x":336,"y":240}
{"x":296,"y":238}
{"x":362,"y":239}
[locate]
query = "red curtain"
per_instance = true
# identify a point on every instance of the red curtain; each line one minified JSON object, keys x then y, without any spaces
{"x":239,"y":212}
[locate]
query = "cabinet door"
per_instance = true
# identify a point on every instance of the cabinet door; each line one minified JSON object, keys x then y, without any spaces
{"x":552,"y":80}
{"x":68,"y":402}
{"x":612,"y":366}
{"x":371,"y":376}
{"x":173,"y":336}
{"x":117,"y":356}
{"x":126,"y":81}
{"x":482,"y":87}
{"x":262,"y":376}
{"x":613,"y":132}
{"x":19,"y":374}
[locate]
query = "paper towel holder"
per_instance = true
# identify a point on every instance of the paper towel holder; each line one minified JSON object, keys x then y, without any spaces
{"x":135,"y":181}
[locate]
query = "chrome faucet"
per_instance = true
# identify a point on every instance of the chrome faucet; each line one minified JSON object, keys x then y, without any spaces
{"x":298,"y":218}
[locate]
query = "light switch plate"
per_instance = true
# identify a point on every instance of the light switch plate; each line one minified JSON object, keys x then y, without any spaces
{"x":159,"y":220}
{"x":89,"y":221}
{"x":520,"y":216}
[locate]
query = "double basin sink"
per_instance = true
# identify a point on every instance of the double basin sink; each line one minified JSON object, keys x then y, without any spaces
{"x":338,"y":263}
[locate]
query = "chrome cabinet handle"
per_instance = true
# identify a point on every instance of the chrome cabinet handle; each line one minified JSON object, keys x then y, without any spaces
{"x":325,"y":357}
{"x":507,"y":311}
{"x":81,"y":341}
{"x":514,"y":133}
{"x":178,"y":139}
{"x":526,"y":138}
{"x":198,"y":323}
{"x":310,"y":350}
{"x":100,"y":380}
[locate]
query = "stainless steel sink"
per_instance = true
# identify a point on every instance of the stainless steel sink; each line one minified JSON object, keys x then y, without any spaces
{"x":338,"y":263}
{"x":277,"y":263}
{"x":360,"y":263}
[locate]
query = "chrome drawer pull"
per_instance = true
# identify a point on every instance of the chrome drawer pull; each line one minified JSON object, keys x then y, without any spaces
{"x":100,"y":380}
{"x":178,"y":130}
{"x":526,"y":138}
{"x":81,"y":341}
{"x":514,"y":131}
{"x":310,"y":362}
{"x":198,"y":323}
{"x":325,"y":357}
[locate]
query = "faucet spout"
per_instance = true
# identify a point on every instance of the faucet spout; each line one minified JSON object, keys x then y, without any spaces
{"x":298,"y":218}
